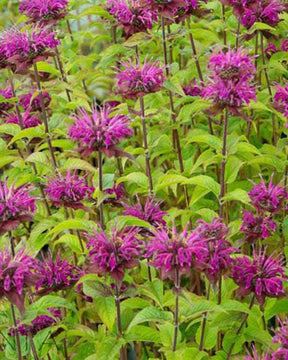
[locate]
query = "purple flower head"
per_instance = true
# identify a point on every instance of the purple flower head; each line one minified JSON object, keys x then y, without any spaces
{"x":56,"y":274}
{"x":192,"y":89}
{"x":268,"y":198}
{"x":39,"y":323}
{"x":28,"y":120}
{"x":149,"y":212}
{"x":16,"y":205}
{"x":256,"y":227}
{"x":263,"y":276}
{"x":114,"y":253}
{"x":215,"y":257}
{"x":3,"y":58}
{"x":16,"y":276}
{"x":33,"y":103}
{"x":117,"y":190}
{"x":191,"y":7}
{"x":281,"y":335}
{"x":232,"y":64}
{"x":284,"y":45}
{"x":68,"y":191}
{"x":166,"y":8}
{"x":212,"y":231}
{"x":131,"y":16}
{"x":138,"y":80}
{"x":254,"y":355}
{"x":100,"y":131}
{"x":25,"y":47}
{"x":229,"y":85}
{"x":270,"y":50}
{"x":170,"y":252}
{"x":5,"y":106}
{"x":44,"y":11}
{"x":281,"y":99}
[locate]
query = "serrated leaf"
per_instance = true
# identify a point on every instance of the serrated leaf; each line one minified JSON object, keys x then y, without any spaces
{"x":143,"y":333}
{"x":70,"y":240}
{"x":136,"y":177}
{"x":150,"y":314}
{"x":206,"y":182}
{"x":106,"y":309}
{"x":79,"y":164}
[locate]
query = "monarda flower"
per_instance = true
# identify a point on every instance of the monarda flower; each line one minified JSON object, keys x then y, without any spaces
{"x":138,"y":80}
{"x":263,"y":276}
{"x":5,"y":106}
{"x":256,"y":227}
{"x":16,"y":205}
{"x":117,"y":191}
{"x":131,"y":16}
{"x":44,"y":11}
{"x":149,"y":212}
{"x":68,"y":191}
{"x":25,"y":47}
{"x":16,"y":276}
{"x":192,"y":89}
{"x":100,"y":131}
{"x":254,"y":355}
{"x":215,"y":257}
{"x":33,"y":103}
{"x":167,"y":8}
{"x":56,"y":275}
{"x":281,"y":337}
{"x":281,"y":99}
{"x":114,"y":253}
{"x":192,"y":7}
{"x":270,"y":50}
{"x":230,"y":81}
{"x":28,"y":120}
{"x":268,"y":198}
{"x":39,"y":323}
{"x":171,"y":252}
{"x":284,"y":45}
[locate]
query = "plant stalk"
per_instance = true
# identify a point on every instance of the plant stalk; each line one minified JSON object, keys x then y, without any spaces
{"x":240,"y":327}
{"x":119,"y":324}
{"x":100,"y":180}
{"x":18,"y":343}
{"x":176,"y":314}
{"x":204,"y":321}
{"x":44,"y":117}
{"x":223,"y":164}
{"x":34,"y":351}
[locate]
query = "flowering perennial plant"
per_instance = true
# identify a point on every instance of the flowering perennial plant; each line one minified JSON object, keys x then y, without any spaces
{"x":131,"y":16}
{"x":44,"y":11}
{"x":68,"y":191}
{"x":100,"y":131}
{"x":16,"y":205}
{"x":138,"y":80}
{"x":112,"y":254}
{"x":263,"y":275}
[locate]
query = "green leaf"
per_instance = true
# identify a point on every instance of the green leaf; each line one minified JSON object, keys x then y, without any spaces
{"x":70,"y":240}
{"x":154,"y":290}
{"x":7,"y":160}
{"x":10,"y":129}
{"x":210,"y":140}
{"x":128,"y":220}
{"x":48,"y":68}
{"x":136,"y":177}
{"x":232,"y":168}
{"x":206,"y":182}
{"x":210,"y":337}
{"x":143,"y":333}
{"x":51,"y":301}
{"x":30,"y":133}
{"x":279,"y":307}
{"x":96,"y":10}
{"x":137,"y":39}
{"x":106,"y":309}
{"x":79,"y":164}
{"x":150,"y":314}
{"x":252,"y":333}
{"x":237,"y":195}
{"x":72,"y":224}
{"x":167,"y":335}
{"x":232,"y":338}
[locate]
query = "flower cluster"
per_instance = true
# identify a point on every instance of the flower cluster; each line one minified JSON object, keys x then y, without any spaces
{"x":39,"y":323}
{"x":281,"y":100}
{"x":230,"y":81}
{"x":263,"y":276}
{"x":56,"y":274}
{"x":167,"y":8}
{"x":267,"y":201}
{"x":114,"y":253}
{"x":16,"y":205}
{"x":251,"y":11}
{"x":149,"y":212}
{"x":117,"y":190}
{"x":136,"y":80}
{"x":272,"y":48}
{"x":256,"y":227}
{"x":33,"y":103}
{"x":192,"y":7}
{"x":192,"y":89}
{"x":131,"y":16}
{"x":44,"y":11}
{"x":100,"y":131}
{"x":16,"y":276}
{"x":5,"y":106}
{"x":216,"y":249}
{"x":68,"y":191}
{"x":28,"y":120}
{"x":173,"y":253}
{"x":281,"y":337}
{"x":22,"y":48}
